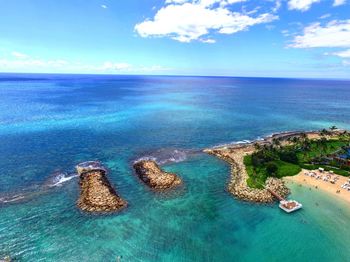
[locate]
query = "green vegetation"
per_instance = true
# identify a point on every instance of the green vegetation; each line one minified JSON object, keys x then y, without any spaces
{"x":277,"y":160}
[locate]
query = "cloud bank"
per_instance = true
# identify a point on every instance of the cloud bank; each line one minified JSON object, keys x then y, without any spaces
{"x":302,"y":5}
{"x":187,"y":21}
{"x":17,"y":62}
{"x":333,"y":35}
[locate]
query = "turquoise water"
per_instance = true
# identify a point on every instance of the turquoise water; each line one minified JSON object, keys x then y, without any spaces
{"x":50,"y":123}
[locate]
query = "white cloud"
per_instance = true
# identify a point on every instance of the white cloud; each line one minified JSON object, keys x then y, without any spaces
{"x":21,"y":63}
{"x":334,"y":34}
{"x":208,"y":41}
{"x":277,"y":6}
{"x":19,"y":55}
{"x":104,"y":6}
{"x":186,"y":21}
{"x":302,"y":5}
{"x":31,"y":62}
{"x":325,"y":16}
{"x":116,"y":66}
{"x":343,"y":54}
{"x":205,"y":3}
{"x":175,"y":1}
{"x":339,"y":2}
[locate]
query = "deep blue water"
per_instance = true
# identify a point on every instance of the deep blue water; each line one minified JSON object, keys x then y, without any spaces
{"x":50,"y":123}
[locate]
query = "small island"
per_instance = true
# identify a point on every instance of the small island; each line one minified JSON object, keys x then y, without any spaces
{"x":97,"y":194}
{"x":257,"y":168}
{"x":153,"y":176}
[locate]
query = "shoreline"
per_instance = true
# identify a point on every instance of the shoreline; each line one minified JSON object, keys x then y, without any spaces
{"x":234,"y":155}
{"x":324,"y":186}
{"x":237,"y":184}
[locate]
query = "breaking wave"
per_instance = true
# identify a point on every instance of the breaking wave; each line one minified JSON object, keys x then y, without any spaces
{"x":59,"y":178}
{"x":167,"y":156}
{"x":55,"y":180}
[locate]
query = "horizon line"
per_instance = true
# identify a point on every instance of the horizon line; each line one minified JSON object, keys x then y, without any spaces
{"x":175,"y":75}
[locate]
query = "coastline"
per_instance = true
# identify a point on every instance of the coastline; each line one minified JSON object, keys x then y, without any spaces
{"x":234,"y":155}
{"x":237,"y":185}
{"x":323,"y":186}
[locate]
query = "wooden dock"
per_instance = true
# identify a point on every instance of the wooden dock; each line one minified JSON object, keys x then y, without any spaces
{"x":288,"y":206}
{"x":275,"y":195}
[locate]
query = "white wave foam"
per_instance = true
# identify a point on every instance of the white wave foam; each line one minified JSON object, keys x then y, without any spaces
{"x":57,"y":179}
{"x":11,"y":198}
{"x":61,"y":178}
{"x":146,"y":158}
{"x":241,"y":142}
{"x":166,"y":156}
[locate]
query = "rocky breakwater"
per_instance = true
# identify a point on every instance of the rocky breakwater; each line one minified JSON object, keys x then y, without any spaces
{"x":96,"y":193}
{"x":237,"y":185}
{"x":152,"y":175}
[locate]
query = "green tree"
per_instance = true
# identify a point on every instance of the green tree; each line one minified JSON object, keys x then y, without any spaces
{"x":257,"y":146}
{"x":271,"y":168}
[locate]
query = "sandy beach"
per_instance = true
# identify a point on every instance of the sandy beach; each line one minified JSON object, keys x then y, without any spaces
{"x":325,"y":186}
{"x":234,"y":155}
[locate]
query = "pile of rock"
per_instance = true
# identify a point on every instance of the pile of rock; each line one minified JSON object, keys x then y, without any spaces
{"x":238,"y":180}
{"x":278,"y":186}
{"x":259,"y":195}
{"x":152,"y":175}
{"x":97,"y":194}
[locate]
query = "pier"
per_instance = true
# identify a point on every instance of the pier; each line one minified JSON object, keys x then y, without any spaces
{"x":275,"y":195}
{"x":288,"y":206}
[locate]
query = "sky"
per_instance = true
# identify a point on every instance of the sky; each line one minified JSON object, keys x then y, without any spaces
{"x":267,"y":38}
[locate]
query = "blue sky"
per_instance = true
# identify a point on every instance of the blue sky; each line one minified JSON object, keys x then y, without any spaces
{"x":290,"y":38}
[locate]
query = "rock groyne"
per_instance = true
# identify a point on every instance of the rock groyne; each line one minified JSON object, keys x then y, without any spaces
{"x":96,"y":192}
{"x":152,"y":175}
{"x":237,"y":185}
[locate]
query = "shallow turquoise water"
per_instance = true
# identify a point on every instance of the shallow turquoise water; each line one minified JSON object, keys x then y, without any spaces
{"x":50,"y":123}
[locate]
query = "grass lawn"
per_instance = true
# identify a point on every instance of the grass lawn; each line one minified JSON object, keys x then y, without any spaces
{"x":258,"y":176}
{"x":257,"y":179}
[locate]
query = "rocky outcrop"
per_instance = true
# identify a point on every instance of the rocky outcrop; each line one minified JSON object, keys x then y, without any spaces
{"x":96,"y":193}
{"x":152,"y":175}
{"x":237,"y":185}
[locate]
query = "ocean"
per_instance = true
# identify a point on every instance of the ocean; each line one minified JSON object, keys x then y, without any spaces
{"x":50,"y":123}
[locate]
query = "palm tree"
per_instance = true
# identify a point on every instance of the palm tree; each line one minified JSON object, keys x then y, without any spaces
{"x":322,"y":144}
{"x":303,"y":135}
{"x":306,"y":144}
{"x":276,"y":142}
{"x":295,"y":139}
{"x":333,"y":128}
{"x":257,"y":146}
{"x":323,"y":132}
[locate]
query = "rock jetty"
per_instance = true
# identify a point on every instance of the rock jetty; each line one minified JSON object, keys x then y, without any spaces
{"x":96,"y":193}
{"x":237,"y":185}
{"x":234,"y":155}
{"x":152,"y":175}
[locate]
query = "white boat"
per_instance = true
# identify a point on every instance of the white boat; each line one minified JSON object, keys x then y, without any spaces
{"x":290,"y":205}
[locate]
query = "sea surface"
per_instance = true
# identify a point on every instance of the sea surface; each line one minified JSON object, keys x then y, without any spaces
{"x":49,"y":123}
